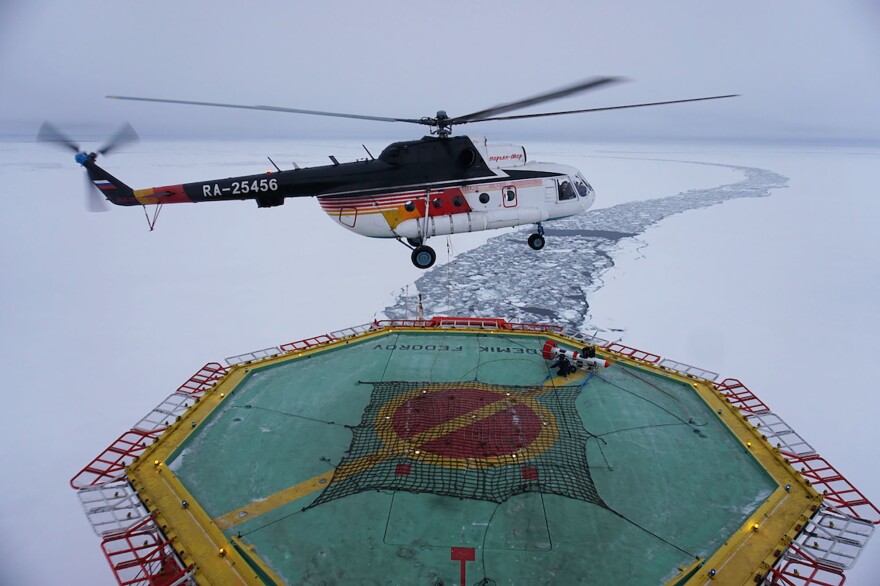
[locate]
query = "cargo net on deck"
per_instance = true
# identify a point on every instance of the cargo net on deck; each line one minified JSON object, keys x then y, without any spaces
{"x":468,"y":440}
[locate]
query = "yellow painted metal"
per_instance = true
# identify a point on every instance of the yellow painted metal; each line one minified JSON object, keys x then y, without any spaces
{"x":272,"y":502}
{"x":146,"y":196}
{"x":754,"y":548}
{"x":199,"y":540}
{"x":195,"y":537}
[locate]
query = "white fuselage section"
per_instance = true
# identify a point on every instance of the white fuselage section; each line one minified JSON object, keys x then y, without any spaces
{"x":515,"y":193}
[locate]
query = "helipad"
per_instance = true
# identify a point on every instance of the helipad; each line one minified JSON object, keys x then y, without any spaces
{"x":423,"y":453}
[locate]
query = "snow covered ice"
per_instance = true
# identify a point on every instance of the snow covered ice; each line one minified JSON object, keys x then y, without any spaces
{"x":103,"y":319}
{"x":506,"y":278}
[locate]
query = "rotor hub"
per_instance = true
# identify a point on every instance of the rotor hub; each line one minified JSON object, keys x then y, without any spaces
{"x":83,"y":158}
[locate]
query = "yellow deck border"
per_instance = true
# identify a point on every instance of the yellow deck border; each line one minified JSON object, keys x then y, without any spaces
{"x":162,"y":493}
{"x":747,"y":553}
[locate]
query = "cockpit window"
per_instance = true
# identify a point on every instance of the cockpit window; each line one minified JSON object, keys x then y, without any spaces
{"x":566,"y":191}
{"x":583,"y":188}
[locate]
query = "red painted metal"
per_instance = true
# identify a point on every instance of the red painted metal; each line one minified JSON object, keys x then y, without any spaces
{"x":535,"y":328}
{"x":307,"y":343}
{"x":111,"y":463}
{"x":202,"y":380}
{"x":838,"y":491}
{"x":143,"y":556}
{"x":477,"y":322}
{"x":547,"y":350}
{"x":402,"y":323}
{"x":738,"y":395}
{"x":633,"y":353}
{"x":800,"y":569}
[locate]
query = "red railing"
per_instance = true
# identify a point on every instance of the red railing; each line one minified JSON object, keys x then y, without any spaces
{"x":633,"y":353}
{"x":838,"y":491}
{"x":143,"y":556}
{"x":201,"y":381}
{"x":111,"y":463}
{"x":800,"y":569}
{"x":740,"y":396}
{"x":307,"y":343}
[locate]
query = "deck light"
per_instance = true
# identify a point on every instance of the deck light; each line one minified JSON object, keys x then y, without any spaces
{"x":749,"y":445}
{"x":222,"y":552}
{"x":755,"y":527}
{"x":787,"y":487}
{"x":712,"y":573}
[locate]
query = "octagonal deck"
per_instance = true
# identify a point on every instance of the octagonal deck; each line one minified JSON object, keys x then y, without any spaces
{"x":674,"y":478}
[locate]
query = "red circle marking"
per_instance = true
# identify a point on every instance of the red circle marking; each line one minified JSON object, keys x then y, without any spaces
{"x":505,"y":432}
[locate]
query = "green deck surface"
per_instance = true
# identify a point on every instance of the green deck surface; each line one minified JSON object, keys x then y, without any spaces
{"x":676,"y":483}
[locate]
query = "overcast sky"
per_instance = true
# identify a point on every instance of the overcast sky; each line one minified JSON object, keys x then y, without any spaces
{"x":805,"y":69}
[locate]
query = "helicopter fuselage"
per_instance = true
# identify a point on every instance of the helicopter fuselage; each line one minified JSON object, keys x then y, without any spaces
{"x":414,"y":189}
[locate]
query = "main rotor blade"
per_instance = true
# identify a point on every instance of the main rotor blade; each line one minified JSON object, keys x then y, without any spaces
{"x":518,"y":116}
{"x":125,"y":135}
{"x":270,"y":109}
{"x":48,"y":133}
{"x":577,"y":88}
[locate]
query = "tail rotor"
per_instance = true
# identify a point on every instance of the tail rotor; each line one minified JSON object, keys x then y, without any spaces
{"x":126,"y":135}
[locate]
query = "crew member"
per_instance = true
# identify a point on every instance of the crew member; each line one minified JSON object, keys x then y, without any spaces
{"x":564,"y":366}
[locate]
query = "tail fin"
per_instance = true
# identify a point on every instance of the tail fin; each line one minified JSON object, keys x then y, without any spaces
{"x":112,"y":188}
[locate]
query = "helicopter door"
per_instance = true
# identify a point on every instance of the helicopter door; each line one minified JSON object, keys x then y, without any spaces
{"x":508,"y":196}
{"x":550,"y":190}
{"x":347,"y":216}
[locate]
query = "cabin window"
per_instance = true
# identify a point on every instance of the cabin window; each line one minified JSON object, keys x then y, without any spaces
{"x":582,"y":186}
{"x":566,"y":190}
{"x":457,"y":201}
{"x":437,"y":202}
{"x":409,"y":206}
{"x":508,"y":194}
{"x":484,"y":198}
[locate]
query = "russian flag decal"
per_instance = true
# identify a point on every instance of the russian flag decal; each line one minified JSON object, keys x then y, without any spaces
{"x":103,"y":184}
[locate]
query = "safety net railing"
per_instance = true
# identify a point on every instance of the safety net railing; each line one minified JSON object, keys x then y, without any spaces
{"x":835,"y":536}
{"x":140,"y":555}
{"x":135,"y":547}
{"x":143,"y":556}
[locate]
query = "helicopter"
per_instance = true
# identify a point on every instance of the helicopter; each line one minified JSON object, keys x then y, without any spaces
{"x":414,"y":190}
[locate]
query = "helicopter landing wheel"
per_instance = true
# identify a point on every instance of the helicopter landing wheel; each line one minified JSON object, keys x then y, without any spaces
{"x":423,"y":257}
{"x":414,"y":241}
{"x":536,"y":242}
